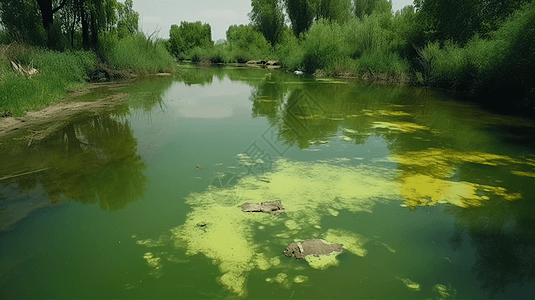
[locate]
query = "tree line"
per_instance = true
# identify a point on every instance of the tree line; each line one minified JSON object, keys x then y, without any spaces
{"x":65,"y":24}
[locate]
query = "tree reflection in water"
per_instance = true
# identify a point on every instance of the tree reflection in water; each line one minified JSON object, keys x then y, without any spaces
{"x":91,"y":160}
{"x":503,"y":236}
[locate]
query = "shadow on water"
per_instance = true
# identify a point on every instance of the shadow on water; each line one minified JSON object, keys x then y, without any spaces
{"x":503,"y":237}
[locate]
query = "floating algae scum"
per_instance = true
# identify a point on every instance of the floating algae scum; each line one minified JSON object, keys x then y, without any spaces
{"x":308,"y":191}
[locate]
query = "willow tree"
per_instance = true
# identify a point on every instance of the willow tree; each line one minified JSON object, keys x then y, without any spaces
{"x":334,"y":10}
{"x":268,"y":17}
{"x":367,"y":7}
{"x":301,"y":14}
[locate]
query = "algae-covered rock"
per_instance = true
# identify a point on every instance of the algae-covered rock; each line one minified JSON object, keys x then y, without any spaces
{"x":314,"y":247}
{"x":274,"y":207}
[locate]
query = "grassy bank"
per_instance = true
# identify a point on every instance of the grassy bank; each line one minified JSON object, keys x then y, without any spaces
{"x":63,"y":71}
{"x":58,"y":72}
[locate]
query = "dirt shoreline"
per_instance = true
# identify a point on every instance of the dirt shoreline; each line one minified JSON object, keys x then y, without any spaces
{"x":38,"y":124}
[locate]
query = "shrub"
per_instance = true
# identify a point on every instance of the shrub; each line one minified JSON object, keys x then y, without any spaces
{"x":290,"y":51}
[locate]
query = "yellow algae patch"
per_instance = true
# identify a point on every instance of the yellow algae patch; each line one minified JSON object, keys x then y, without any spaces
{"x":282,"y":278}
{"x":444,"y":291}
{"x":153,"y":262}
{"x":410,"y":284}
{"x":428,"y":181}
{"x":351,"y":241}
{"x":423,"y":190}
{"x":291,"y":224}
{"x":265,"y":263}
{"x":382,"y":112}
{"x":526,"y":174}
{"x":151,"y":243}
{"x":226,"y":239}
{"x":322,"y":262}
{"x":300,"y":279}
{"x":275,"y":261}
{"x":225,"y":234}
{"x":433,"y":157}
{"x":404,"y":127}
{"x":262,"y":263}
{"x":305,"y":188}
{"x":333,"y":212}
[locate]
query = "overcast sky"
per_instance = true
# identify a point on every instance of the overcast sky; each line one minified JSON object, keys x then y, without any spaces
{"x":220,"y":14}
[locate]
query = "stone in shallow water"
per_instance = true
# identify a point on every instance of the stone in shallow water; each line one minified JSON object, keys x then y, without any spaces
{"x":273,"y":207}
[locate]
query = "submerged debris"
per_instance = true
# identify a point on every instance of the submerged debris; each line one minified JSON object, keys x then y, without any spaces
{"x":273,"y":207}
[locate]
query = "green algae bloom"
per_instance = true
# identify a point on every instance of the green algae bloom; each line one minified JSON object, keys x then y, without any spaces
{"x":322,"y":262}
{"x":310,"y":191}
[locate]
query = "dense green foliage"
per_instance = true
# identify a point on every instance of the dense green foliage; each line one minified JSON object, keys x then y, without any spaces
{"x":247,"y":42}
{"x":367,"y":7}
{"x":187,"y":36}
{"x":301,"y":14}
{"x":497,"y":67}
{"x":268,"y":17}
{"x":459,"y":20}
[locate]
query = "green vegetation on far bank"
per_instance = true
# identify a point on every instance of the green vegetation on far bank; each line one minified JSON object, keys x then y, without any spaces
{"x":480,"y":49}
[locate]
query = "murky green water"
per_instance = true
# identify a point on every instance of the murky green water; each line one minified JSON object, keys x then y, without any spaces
{"x":431,"y":198}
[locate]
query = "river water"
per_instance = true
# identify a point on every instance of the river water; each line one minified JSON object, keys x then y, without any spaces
{"x":431,"y":198}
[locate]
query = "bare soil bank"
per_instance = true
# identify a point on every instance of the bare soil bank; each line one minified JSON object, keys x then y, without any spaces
{"x":37,"y":124}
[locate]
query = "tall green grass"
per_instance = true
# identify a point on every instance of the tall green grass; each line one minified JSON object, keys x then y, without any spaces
{"x":136,"y":52}
{"x":58,"y":73}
